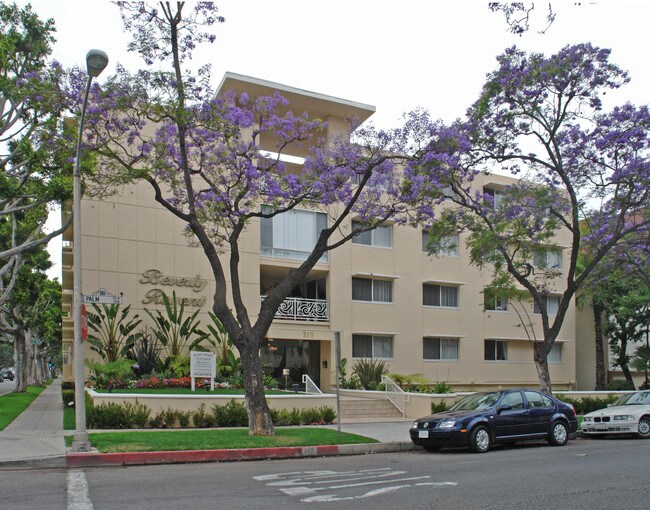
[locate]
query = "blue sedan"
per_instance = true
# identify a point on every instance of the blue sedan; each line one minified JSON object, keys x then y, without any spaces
{"x":506,"y":416}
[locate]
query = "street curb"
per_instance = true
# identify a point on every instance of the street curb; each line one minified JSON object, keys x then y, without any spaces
{"x":40,"y":463}
{"x":231,"y":455}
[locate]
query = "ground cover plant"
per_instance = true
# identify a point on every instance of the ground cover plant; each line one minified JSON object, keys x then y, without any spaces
{"x":216,"y":439}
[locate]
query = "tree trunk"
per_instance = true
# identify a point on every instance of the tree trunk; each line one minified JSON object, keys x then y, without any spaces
{"x":543,"y":374}
{"x":601,"y":375}
{"x":259,"y":416}
{"x":20,"y":356}
{"x":622,"y":361}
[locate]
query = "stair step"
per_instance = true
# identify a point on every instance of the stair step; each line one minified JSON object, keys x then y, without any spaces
{"x":370,"y":408}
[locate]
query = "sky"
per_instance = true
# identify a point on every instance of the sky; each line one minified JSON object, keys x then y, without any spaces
{"x":395,"y":55}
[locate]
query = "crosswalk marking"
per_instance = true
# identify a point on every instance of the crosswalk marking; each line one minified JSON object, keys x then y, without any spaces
{"x":78,"y":497}
{"x":310,"y":486}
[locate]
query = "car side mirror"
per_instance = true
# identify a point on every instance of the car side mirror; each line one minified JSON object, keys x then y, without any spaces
{"x":505,"y":407}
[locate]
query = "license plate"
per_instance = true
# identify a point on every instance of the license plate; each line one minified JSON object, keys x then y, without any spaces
{"x":423,"y":434}
{"x":600,"y":426}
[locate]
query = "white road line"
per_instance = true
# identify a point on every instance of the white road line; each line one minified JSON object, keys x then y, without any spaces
{"x":78,"y":497}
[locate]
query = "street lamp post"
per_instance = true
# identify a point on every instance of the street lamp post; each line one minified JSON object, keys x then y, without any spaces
{"x":96,"y":61}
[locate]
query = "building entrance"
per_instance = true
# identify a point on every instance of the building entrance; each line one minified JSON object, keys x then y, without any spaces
{"x":299,"y":356}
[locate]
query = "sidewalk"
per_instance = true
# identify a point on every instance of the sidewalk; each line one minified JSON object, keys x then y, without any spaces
{"x":35,"y":439}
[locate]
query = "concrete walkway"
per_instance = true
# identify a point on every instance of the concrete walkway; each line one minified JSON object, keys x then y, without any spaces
{"x":35,"y":439}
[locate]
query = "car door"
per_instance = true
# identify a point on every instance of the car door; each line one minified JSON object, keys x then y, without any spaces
{"x":540,"y":409}
{"x":511,"y":419}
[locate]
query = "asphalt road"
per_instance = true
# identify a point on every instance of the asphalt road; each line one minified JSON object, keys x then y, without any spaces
{"x":585,"y":474}
{"x":7,"y":386}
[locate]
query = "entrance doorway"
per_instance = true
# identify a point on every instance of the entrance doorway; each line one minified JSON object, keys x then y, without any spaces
{"x":298,"y":356}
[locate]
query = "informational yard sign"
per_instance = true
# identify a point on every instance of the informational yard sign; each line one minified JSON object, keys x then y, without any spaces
{"x":203,"y":365}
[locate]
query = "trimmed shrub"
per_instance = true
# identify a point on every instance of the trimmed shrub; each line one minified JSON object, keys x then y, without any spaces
{"x":328,"y":414}
{"x":311,"y":416}
{"x":68,"y":398}
{"x":106,"y":416}
{"x":136,"y":414}
{"x":587,"y":404}
{"x":232,"y":414}
{"x":203,"y":419}
{"x":183,"y":418}
{"x":439,"y":407}
{"x":621,"y":385}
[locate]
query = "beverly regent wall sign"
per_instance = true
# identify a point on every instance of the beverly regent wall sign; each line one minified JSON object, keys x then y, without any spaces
{"x":159,"y":279}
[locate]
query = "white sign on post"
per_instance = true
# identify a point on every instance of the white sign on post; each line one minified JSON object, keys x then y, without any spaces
{"x":102,"y":297}
{"x":203,"y":364}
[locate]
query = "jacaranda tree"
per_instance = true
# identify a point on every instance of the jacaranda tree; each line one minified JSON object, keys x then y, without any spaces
{"x":203,"y":159}
{"x":541,"y":118}
{"x":33,"y":148}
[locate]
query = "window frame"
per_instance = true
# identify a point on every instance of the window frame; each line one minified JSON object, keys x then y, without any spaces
{"x":495,"y":306}
{"x":372,"y":338}
{"x":372,"y":291}
{"x":444,"y":252}
{"x":440,"y":340}
{"x":537,"y":311}
{"x":440,"y":297}
{"x":372,"y":233}
{"x":495,"y":350}
{"x":546,"y":254}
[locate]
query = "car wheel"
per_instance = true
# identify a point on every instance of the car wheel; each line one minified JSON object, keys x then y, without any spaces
{"x":431,"y":447}
{"x":644,"y":428}
{"x":559,"y":434}
{"x":479,"y":439}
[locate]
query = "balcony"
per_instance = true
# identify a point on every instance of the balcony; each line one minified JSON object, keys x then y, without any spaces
{"x":302,"y":309}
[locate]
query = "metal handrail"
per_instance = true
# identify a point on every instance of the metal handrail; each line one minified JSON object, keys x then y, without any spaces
{"x":394,"y":394}
{"x":310,"y":386}
{"x":302,"y":309}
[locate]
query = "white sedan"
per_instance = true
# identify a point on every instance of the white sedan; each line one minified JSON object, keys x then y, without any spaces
{"x":630,"y":414}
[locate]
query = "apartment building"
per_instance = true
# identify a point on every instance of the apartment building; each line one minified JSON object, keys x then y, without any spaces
{"x":382,"y":293}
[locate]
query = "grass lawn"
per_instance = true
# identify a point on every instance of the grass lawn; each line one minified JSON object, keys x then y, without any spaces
{"x":188,"y":391}
{"x":12,"y":404}
{"x":69,"y":419}
{"x":140,"y":441}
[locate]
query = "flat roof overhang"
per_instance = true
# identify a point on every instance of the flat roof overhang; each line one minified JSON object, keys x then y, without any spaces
{"x":317,"y":105}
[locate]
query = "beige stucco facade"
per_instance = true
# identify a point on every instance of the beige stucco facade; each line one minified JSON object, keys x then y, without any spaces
{"x":132,"y":247}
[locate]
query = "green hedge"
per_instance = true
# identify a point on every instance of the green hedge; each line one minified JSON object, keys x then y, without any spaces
{"x":587,"y":404}
{"x":231,"y":414}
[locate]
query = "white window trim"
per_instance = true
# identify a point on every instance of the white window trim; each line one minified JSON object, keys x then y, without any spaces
{"x":442,"y":360}
{"x":372,"y":335}
{"x":372,"y":301}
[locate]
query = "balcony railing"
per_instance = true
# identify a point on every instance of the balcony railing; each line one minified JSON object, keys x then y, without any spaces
{"x":301,"y":309}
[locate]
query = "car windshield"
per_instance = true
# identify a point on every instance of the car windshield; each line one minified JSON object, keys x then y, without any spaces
{"x":640,"y":399}
{"x":477,"y":401}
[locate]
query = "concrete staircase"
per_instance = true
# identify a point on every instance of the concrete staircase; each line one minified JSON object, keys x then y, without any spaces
{"x":368,"y":409}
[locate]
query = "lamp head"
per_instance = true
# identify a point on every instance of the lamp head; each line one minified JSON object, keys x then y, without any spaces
{"x":96,"y":62}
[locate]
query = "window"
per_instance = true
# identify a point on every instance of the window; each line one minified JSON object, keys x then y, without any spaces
{"x":496,"y":350}
{"x":552,"y":305}
{"x":555,"y":354}
{"x":439,"y":295}
{"x":496,"y":304}
{"x":292,"y":234}
{"x":495,"y":195}
{"x":448,"y":245}
{"x":440,"y":348}
{"x":372,"y":346}
{"x":366,"y":289}
{"x":514,"y":400}
{"x":381,"y":236}
{"x":537,"y":400}
{"x":548,"y":259}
